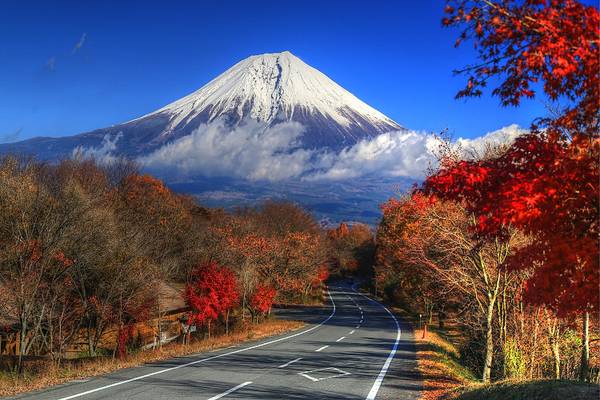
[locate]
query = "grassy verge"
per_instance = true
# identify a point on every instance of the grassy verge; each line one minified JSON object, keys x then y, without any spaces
{"x":533,"y":390}
{"x":11,"y":384}
{"x":446,"y":379}
{"x":439,"y":365}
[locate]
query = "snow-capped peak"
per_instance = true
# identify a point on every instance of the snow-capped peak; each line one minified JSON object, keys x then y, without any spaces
{"x":274,"y":87}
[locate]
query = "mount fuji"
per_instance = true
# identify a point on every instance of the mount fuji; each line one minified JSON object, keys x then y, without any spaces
{"x":268,"y":89}
{"x":258,"y":131}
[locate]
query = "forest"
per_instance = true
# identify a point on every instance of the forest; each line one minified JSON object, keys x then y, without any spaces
{"x":84,"y":248}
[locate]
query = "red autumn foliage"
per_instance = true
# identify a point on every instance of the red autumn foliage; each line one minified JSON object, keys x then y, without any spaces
{"x":546,"y":183}
{"x":526,"y":43}
{"x":323,"y":273}
{"x":211,"y":292}
{"x":123,"y":338}
{"x":262,"y":299}
{"x":548,"y":189}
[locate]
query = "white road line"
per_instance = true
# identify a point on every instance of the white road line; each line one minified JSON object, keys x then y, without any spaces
{"x":377,"y":384}
{"x":321,"y":348}
{"x":357,"y":326}
{"x":137,"y":378}
{"x":340,"y":339}
{"x":351,"y":332}
{"x":233,"y":389}
{"x":308,"y":376}
{"x":289,"y":363}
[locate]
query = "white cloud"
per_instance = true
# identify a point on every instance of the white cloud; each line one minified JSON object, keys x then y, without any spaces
{"x":251,"y":151}
{"x":255,"y":152}
{"x":476,"y":147}
{"x":79,"y":43}
{"x":104,"y":154}
{"x":398,"y":153}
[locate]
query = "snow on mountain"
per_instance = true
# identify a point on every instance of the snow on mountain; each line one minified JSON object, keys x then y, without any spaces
{"x":277,"y":87}
{"x":268,"y":89}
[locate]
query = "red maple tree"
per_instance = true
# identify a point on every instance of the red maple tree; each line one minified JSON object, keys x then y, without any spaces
{"x":262,"y":299}
{"x":546,"y":183}
{"x":533,"y":45}
{"x":211,"y":292}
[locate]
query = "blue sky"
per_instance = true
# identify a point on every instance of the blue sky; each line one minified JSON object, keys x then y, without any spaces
{"x":69,"y":67}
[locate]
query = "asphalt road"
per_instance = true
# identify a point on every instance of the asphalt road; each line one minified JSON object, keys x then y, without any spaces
{"x":353,"y":349}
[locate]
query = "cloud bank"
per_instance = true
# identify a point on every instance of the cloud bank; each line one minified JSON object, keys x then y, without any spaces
{"x":255,"y":152}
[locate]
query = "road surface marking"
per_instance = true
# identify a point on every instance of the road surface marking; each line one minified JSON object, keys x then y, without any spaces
{"x":308,"y":376}
{"x":377,"y":384}
{"x":322,"y":348}
{"x":137,"y":378}
{"x":290,"y":363}
{"x":357,"y":326}
{"x":351,"y":332}
{"x":233,"y":389}
{"x":338,"y":373}
{"x":340,"y":339}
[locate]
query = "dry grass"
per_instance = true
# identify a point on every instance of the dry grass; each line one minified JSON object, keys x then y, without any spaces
{"x":11,"y":384}
{"x":531,"y":390}
{"x":446,"y":379}
{"x":439,"y":366}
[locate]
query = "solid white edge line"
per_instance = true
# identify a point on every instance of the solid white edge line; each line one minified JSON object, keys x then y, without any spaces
{"x":233,"y":389}
{"x":206,"y":359}
{"x":379,"y":380}
{"x":322,"y":348}
{"x":287,"y":364}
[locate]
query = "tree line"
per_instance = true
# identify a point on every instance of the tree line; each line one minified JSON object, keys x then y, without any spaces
{"x":506,"y":241}
{"x":84,"y":248}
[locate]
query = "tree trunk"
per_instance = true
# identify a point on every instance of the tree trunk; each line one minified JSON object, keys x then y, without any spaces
{"x":556,"y":355}
{"x":489,"y":344}
{"x":91,"y":347}
{"x":441,"y":317}
{"x":159,"y":327}
{"x":585,"y":348}
{"x":227,"y":322}
{"x":534,"y":346}
{"x":553,"y":337}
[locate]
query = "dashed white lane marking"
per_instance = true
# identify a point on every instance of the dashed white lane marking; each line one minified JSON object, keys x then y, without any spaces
{"x":357,"y":326}
{"x":233,"y":389}
{"x":289,"y":363}
{"x":377,"y":384}
{"x":351,"y":332}
{"x":340,"y":339}
{"x":137,"y":378}
{"x":322,"y":348}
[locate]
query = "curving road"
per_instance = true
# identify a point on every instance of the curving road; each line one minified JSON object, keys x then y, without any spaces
{"x":353,"y":349}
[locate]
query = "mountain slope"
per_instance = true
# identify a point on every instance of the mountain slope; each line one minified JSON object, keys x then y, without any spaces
{"x":277,"y":87}
{"x":268,"y":88}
